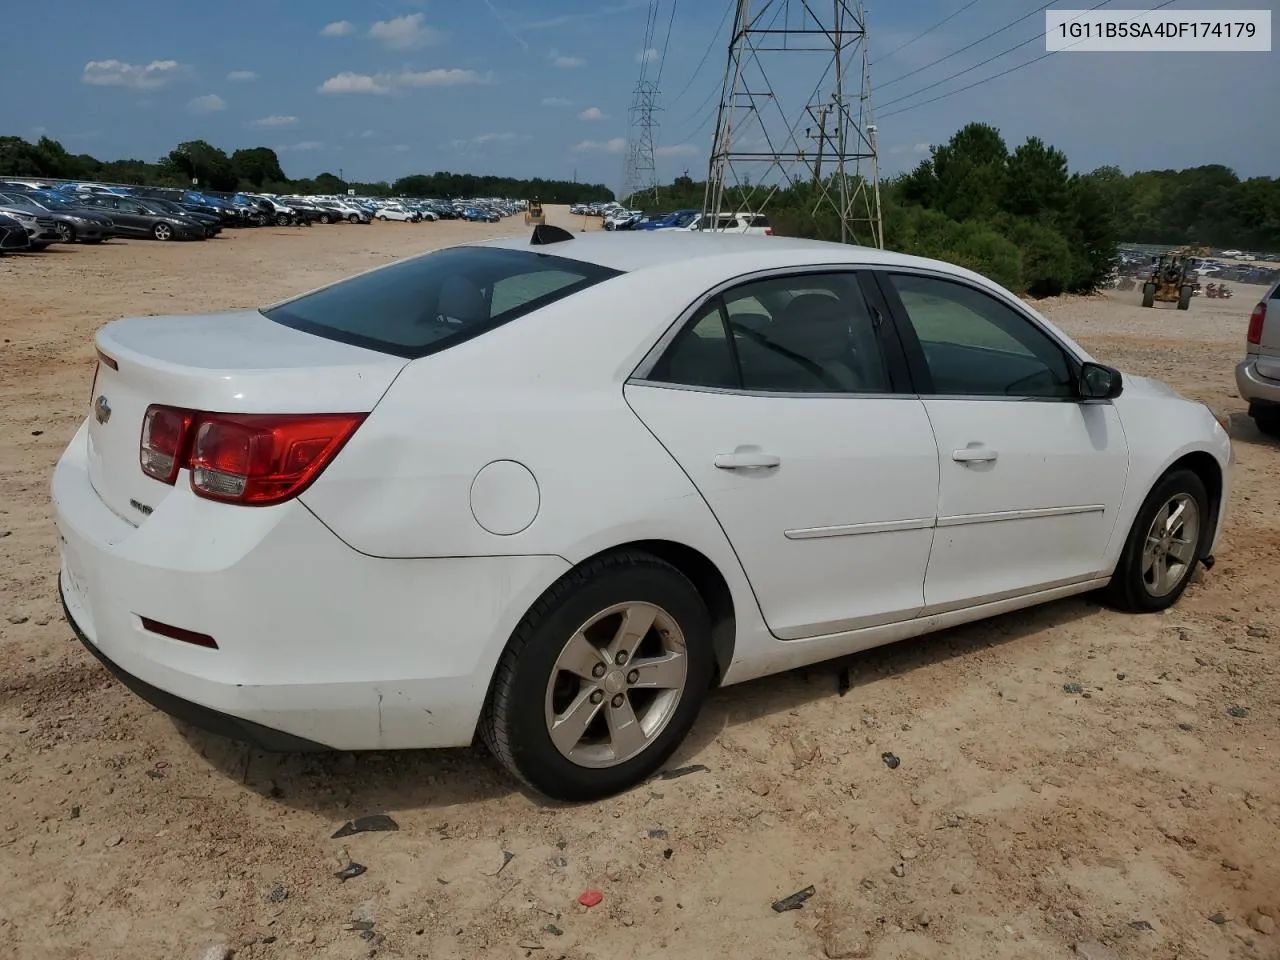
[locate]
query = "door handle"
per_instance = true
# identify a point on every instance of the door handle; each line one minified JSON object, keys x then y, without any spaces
{"x":974,"y":455}
{"x":746,"y":461}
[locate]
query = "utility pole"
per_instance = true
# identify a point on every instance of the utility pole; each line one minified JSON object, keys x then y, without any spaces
{"x":641,"y":176}
{"x":757,"y":147}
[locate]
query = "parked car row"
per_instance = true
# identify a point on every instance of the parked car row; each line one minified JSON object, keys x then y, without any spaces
{"x":34,"y":213}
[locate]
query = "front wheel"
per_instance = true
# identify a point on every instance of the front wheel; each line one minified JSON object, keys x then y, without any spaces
{"x":282,"y":219}
{"x":602,"y":679}
{"x":162,"y":231}
{"x":66,"y":232}
{"x":1165,"y":543}
{"x":353,"y":218}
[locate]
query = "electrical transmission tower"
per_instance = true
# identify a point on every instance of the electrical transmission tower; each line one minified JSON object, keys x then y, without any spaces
{"x":817,"y":118}
{"x":641,"y":176}
{"x":642,"y":171}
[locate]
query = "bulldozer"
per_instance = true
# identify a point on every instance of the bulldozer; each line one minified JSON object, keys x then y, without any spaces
{"x":533,"y":214}
{"x":1172,"y":280}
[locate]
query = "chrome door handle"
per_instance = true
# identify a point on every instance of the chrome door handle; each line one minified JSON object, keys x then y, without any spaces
{"x":974,"y":455}
{"x":746,"y":461}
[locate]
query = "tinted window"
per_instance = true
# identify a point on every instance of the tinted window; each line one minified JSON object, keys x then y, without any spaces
{"x":974,"y":345}
{"x":799,"y":334}
{"x":423,"y":305}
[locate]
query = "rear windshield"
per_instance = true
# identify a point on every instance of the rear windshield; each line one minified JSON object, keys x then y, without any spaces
{"x":427,"y":304}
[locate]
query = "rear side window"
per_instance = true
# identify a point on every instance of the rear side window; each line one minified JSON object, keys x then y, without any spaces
{"x":427,"y":304}
{"x":758,"y":221}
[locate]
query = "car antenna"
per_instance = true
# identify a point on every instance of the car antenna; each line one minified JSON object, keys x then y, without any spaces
{"x":545,"y":233}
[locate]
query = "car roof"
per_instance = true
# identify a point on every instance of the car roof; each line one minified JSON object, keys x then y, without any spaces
{"x":644,"y":250}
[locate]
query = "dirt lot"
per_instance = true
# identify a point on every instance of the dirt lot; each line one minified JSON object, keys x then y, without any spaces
{"x":1021,"y":821}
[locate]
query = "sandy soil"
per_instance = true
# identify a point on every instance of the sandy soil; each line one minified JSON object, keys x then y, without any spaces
{"x":1021,"y":821}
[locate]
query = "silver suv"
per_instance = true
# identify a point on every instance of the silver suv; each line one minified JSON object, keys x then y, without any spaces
{"x":1258,"y":374}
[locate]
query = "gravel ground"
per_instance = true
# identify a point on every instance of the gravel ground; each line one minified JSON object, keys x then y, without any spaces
{"x":1136,"y":818}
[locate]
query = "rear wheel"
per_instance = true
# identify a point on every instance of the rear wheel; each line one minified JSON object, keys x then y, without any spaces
{"x":1184,"y":297}
{"x":1148,"y":294}
{"x":162,"y":231}
{"x":282,"y":219}
{"x":66,"y":232}
{"x":602,"y":679}
{"x":325,"y":218}
{"x":353,"y":218}
{"x":1267,"y":420}
{"x":1164,"y":545}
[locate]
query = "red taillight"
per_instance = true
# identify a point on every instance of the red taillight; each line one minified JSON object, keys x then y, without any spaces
{"x":252,"y":459}
{"x":1256,"y":319}
{"x":768,"y":231}
{"x":164,"y":442}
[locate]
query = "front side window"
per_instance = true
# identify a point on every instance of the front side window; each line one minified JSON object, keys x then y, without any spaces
{"x":426,"y":304}
{"x":810,"y":333}
{"x":974,"y":345}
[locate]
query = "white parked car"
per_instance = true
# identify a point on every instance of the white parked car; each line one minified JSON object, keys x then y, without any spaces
{"x":750,"y":224}
{"x":552,"y":493}
{"x":393,"y":211}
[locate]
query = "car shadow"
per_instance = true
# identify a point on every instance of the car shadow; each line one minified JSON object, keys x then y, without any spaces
{"x":341,"y":785}
{"x":1240,"y":426}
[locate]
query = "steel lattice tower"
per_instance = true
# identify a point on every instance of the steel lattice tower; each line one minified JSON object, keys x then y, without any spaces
{"x":642,"y":171}
{"x":768,"y":137}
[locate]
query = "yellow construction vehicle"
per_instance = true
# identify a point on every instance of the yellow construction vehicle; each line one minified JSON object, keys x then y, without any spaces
{"x":533,"y":214}
{"x":1172,"y":280}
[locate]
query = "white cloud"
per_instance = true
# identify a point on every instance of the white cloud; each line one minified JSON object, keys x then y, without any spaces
{"x":556,"y":102}
{"x":304,"y":147}
{"x":678,"y":150}
{"x":117,"y":73}
{"x":564,"y":61}
{"x":647,"y":56}
{"x":616,"y":145}
{"x":242,"y":76}
{"x":440,"y":78}
{"x":339,"y":28}
{"x":274,"y":121}
{"x":347,"y":82}
{"x":921,"y":148}
{"x":209,"y":103}
{"x":404,"y":33}
{"x":593,"y":113}
{"x":486,"y":138}
{"x":367,"y":135}
{"x":384,"y":83}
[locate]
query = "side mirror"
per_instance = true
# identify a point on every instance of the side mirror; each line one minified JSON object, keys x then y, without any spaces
{"x":1098,"y":382}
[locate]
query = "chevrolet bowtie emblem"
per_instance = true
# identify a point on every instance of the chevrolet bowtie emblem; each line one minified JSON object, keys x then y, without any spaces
{"x":102,"y":409}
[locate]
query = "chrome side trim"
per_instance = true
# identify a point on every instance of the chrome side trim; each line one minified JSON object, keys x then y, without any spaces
{"x":855,"y":529}
{"x":1034,"y":514}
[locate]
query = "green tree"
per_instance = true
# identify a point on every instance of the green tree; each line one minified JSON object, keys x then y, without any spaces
{"x":257,"y":166}
{"x":199,"y":160}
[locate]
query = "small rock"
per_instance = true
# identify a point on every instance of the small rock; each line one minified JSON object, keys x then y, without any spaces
{"x":17,"y":619}
{"x":844,"y":942}
{"x":1262,"y":923}
{"x":1184,"y":634}
{"x":907,"y":853}
{"x":1186,"y":726}
{"x":1009,"y":696}
{"x":1058,"y":782}
{"x":958,"y":887}
{"x":658,"y":834}
{"x":115,"y":841}
{"x":1257,"y":631}
{"x":278,"y":894}
{"x":1140,"y":925}
{"x":1092,"y":950}
{"x":760,"y":786}
{"x":75,"y":813}
{"x":552,"y":929}
{"x":350,"y":871}
{"x":1219,"y":918}
{"x":890,"y":761}
{"x":1073,"y":688}
{"x":803,"y":750}
{"x":898,"y":869}
{"x":218,"y":951}
{"x":1238,"y":712}
{"x":1229,"y":864}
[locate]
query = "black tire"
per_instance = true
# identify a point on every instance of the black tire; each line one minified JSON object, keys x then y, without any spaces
{"x":1148,"y":294}
{"x":282,"y":219}
{"x":1267,"y":421}
{"x":261,"y":219}
{"x":1127,"y":589}
{"x":66,"y":231}
{"x":513,"y":725}
{"x":353,"y":218}
{"x":1184,"y":298}
{"x":325,"y":218}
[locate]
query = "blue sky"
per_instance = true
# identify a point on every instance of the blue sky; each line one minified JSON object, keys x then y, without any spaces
{"x":384,"y":88}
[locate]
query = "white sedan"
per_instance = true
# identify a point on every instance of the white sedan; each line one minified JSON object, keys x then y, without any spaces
{"x":551,"y":492}
{"x":393,"y":211}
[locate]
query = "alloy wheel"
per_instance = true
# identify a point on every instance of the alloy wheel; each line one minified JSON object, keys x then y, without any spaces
{"x":163,"y":231}
{"x":616,"y":684}
{"x":1169,"y":551}
{"x":66,"y":233}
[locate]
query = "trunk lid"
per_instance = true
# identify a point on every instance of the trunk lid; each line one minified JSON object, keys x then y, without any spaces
{"x":1268,"y":347}
{"x":232,"y":362}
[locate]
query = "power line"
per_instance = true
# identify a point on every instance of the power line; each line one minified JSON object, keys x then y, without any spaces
{"x":728,"y":8}
{"x":1003,"y":73}
{"x":923,"y":33}
{"x":666,"y":42}
{"x":969,"y":46}
{"x":961,"y":73}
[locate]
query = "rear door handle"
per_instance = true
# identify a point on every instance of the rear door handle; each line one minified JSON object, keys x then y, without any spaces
{"x":974,"y":455}
{"x":746,"y":461}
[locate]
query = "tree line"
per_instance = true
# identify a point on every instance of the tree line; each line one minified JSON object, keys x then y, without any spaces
{"x":259,"y":169}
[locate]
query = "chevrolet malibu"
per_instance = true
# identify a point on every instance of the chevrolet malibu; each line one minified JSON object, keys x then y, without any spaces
{"x":550,"y":491}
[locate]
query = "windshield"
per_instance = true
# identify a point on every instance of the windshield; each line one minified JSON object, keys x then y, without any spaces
{"x":421,"y":306}
{"x":18,"y":200}
{"x":55,"y":202}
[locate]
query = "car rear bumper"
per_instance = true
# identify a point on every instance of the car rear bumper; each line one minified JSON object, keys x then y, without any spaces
{"x":1253,"y":386}
{"x":318,"y":645}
